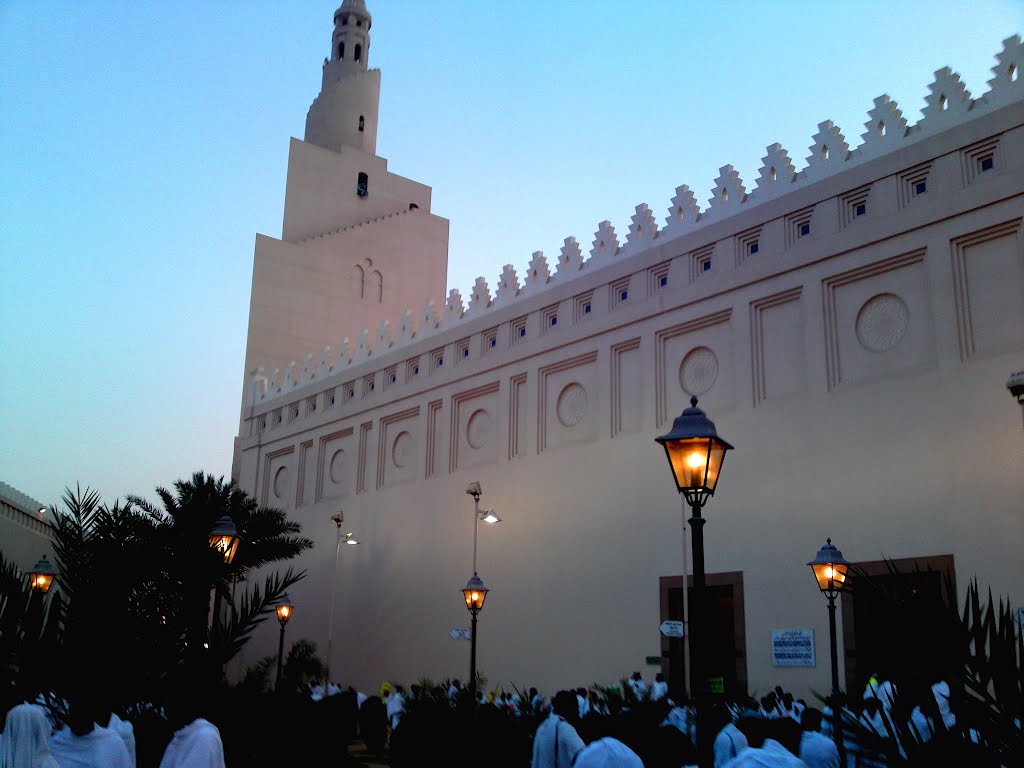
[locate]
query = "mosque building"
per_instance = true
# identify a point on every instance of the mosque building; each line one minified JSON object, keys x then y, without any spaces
{"x":848,"y":322}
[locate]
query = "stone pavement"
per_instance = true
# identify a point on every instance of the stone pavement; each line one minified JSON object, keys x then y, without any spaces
{"x":357,"y":749}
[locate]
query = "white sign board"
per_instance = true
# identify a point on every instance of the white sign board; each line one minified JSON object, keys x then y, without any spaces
{"x":673,"y":628}
{"x":792,"y":647}
{"x":461,"y":633}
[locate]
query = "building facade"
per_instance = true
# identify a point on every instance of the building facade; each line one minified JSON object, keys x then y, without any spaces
{"x":849,"y":327}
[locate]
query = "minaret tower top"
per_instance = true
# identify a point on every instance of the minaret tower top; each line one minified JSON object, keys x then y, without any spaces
{"x":345,"y":112}
{"x":350,"y":43}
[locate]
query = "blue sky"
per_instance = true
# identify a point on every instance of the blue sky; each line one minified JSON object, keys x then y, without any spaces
{"x":144,"y":144}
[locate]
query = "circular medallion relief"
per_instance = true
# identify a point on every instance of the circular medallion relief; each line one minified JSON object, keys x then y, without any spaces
{"x":572,"y":405}
{"x":698,"y":371}
{"x":882,"y":322}
{"x":401,"y":449}
{"x":478,"y":429}
{"x":337,"y":468}
{"x":281,"y":482}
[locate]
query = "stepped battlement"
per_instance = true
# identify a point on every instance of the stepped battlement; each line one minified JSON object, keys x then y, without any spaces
{"x":948,"y":105}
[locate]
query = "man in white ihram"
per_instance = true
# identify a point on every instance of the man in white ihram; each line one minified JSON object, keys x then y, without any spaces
{"x":556,"y":741}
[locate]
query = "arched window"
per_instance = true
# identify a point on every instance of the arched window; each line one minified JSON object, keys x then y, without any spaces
{"x":378,"y":286}
{"x":359,"y":53}
{"x":358,"y":281}
{"x":344,"y":20}
{"x":363,"y":185}
{"x":362,"y":123}
{"x":341,"y":50}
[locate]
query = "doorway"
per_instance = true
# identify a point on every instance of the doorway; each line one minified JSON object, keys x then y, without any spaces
{"x":899,"y":623}
{"x":728,"y":642}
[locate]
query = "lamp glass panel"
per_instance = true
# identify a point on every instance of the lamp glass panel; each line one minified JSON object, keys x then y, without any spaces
{"x":284,"y":612}
{"x":41,"y":581}
{"x":689,"y":460}
{"x":716,"y":455}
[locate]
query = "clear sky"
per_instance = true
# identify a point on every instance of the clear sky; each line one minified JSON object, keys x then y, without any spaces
{"x":144,"y":144}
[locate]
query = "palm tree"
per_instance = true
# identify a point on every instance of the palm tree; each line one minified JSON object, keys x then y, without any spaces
{"x":192,"y":567}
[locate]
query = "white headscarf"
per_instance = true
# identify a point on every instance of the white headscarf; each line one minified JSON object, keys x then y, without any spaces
{"x":607,"y":753}
{"x":25,"y":739}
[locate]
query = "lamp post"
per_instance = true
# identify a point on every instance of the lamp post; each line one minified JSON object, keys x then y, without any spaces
{"x":223,"y":538}
{"x":830,"y":569}
{"x":348,"y":538}
{"x":284,"y":612}
{"x":695,"y":454}
{"x":475,"y":593}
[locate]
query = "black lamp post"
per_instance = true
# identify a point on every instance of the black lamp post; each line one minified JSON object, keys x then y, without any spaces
{"x":284,"y":612}
{"x":223,"y":538}
{"x":830,"y":572}
{"x":695,"y":453}
{"x":475,"y":593}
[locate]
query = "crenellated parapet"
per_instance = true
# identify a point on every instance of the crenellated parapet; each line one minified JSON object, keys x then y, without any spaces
{"x":948,"y":104}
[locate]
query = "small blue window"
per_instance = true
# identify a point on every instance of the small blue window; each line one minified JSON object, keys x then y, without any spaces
{"x":623,"y":295}
{"x":494,"y":343}
{"x":314,"y":407}
{"x":332,"y":399}
{"x":920,"y":188}
{"x":522,"y":332}
{"x":465,"y":353}
{"x":416,"y":371}
{"x":805,"y":229}
{"x":663,"y":281}
{"x":351,"y":393}
{"x":554,"y":319}
{"x":707,"y":265}
{"x":586,"y":308}
{"x":440,"y":362}
{"x":393,"y":378}
{"x":986,"y":163}
{"x":861,"y":209}
{"x":373,"y":386}
{"x":754,"y":247}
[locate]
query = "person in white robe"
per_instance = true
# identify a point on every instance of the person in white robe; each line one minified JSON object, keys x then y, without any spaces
{"x":816,"y":749}
{"x":637,"y":685}
{"x":25,"y":739}
{"x":556,"y":742}
{"x":197,"y":745}
{"x":659,"y":688}
{"x":729,"y":743}
{"x":97,"y":747}
{"x":607,"y":753}
{"x":395,"y":707}
{"x":771,"y":754}
{"x":126,"y":731}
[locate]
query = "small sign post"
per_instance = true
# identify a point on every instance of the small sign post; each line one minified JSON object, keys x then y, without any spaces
{"x":672,"y":628}
{"x":461,"y":633}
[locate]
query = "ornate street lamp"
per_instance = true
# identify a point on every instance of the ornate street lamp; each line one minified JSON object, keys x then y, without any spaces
{"x":830,"y":569}
{"x":348,"y":538}
{"x":224,"y":538}
{"x":475,"y":593}
{"x":41,"y":576}
{"x":695,"y":454}
{"x":284,"y":612}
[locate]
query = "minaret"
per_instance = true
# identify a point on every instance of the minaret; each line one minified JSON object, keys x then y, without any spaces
{"x":345,"y":112}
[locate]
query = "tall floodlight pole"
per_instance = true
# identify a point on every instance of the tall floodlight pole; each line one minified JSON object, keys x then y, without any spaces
{"x":347,"y":538}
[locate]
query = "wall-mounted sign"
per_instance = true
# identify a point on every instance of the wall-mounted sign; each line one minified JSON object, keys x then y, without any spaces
{"x":792,"y":647}
{"x":671,"y":628}
{"x":461,"y":633}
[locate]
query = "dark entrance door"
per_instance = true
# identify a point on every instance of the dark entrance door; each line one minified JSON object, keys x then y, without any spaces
{"x":899,"y":623}
{"x":727,"y":644}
